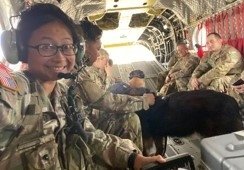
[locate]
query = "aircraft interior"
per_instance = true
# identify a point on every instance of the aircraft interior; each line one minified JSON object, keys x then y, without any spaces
{"x":154,"y":27}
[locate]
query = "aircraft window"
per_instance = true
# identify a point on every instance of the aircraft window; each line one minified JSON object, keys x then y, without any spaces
{"x":199,"y":37}
{"x":1,"y":52}
{"x":129,"y":54}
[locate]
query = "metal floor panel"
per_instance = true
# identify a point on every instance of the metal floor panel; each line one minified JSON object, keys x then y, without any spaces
{"x":190,"y":144}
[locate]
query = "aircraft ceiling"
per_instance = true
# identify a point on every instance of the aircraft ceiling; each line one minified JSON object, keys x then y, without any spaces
{"x":128,"y":17}
{"x":188,"y":10}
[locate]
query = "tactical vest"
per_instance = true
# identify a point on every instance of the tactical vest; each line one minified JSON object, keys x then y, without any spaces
{"x":31,"y":149}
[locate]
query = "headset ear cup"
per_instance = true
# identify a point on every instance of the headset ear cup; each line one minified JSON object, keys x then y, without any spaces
{"x":20,"y":47}
{"x":8,"y":45}
{"x":80,"y":54}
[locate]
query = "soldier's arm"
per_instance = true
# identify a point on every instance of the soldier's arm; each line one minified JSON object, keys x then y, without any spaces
{"x":94,"y":76}
{"x":12,"y":100}
{"x":8,"y":102}
{"x":98,"y":98}
{"x":173,"y":59}
{"x":188,"y":68}
{"x":109,"y":82}
{"x":115,"y":151}
{"x":228,"y":62}
{"x":202,"y":68}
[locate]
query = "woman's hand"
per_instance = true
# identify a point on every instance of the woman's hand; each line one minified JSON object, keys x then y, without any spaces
{"x":141,"y":161}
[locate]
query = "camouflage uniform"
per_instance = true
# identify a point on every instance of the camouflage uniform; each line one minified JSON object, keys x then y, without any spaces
{"x":95,"y":97}
{"x":40,"y":144}
{"x":180,"y":73}
{"x":238,"y":96}
{"x":126,"y":126}
{"x":163,"y":74}
{"x":217,"y":70}
{"x":99,"y":77}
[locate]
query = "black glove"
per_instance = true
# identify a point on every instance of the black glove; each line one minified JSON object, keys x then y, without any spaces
{"x":76,"y":128}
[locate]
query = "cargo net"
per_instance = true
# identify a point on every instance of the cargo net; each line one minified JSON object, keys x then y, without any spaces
{"x":182,"y":161}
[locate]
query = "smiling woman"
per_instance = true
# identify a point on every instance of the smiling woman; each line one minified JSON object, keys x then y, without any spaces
{"x":51,"y":51}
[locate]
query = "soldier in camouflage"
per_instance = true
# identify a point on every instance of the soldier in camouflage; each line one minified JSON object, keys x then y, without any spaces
{"x":179,"y":75}
{"x":163,"y":74}
{"x":217,"y":70}
{"x":34,"y":129}
{"x":101,"y":71}
{"x":98,"y":98}
{"x":127,"y":125}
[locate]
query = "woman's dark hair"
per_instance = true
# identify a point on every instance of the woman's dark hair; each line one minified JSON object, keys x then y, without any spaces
{"x":35,"y":17}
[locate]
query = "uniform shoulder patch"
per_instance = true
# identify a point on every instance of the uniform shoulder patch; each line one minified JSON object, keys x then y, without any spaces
{"x":6,"y":80}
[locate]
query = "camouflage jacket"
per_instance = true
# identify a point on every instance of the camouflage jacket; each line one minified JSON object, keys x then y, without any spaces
{"x":225,"y":62}
{"x":92,"y":95}
{"x":184,"y":67}
{"x":173,"y":59}
{"x":53,"y":117}
{"x":99,"y":77}
{"x":11,"y":101}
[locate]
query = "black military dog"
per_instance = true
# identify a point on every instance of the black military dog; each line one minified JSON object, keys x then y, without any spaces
{"x":180,"y":114}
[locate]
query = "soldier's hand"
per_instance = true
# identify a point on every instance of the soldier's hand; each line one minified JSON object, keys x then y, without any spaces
{"x":150,"y":98}
{"x":239,"y":89}
{"x":167,"y":79}
{"x":141,"y":161}
{"x":108,"y":70}
{"x":194,"y":83}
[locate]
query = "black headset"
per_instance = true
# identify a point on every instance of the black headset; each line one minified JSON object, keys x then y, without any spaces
{"x":8,"y":43}
{"x":14,"y":50}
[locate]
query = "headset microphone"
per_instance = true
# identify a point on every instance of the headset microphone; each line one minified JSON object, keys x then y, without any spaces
{"x":67,"y":75}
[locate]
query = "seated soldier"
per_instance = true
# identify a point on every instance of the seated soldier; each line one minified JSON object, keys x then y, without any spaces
{"x":179,"y":75}
{"x":122,"y":125}
{"x":101,"y":71}
{"x":95,"y":97}
{"x":163,"y":74}
{"x":135,"y":87}
{"x":216,"y":70}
